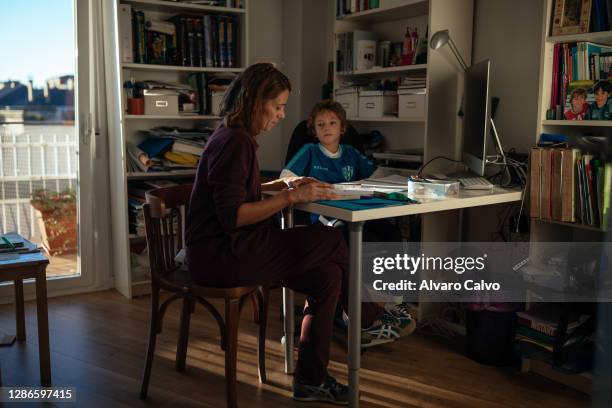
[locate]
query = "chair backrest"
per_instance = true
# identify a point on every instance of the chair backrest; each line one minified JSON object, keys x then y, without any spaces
{"x":301,"y":135}
{"x":164,"y":215}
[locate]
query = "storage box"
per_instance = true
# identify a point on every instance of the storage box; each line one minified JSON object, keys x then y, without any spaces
{"x":376,"y":104}
{"x":431,"y":188}
{"x":349,"y":99}
{"x":160,"y":102}
{"x":411,"y":104}
{"x":215,"y":102}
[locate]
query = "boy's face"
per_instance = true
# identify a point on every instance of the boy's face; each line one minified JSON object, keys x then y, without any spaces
{"x":328,"y":128}
{"x":601,"y":97}
{"x":577,"y":103}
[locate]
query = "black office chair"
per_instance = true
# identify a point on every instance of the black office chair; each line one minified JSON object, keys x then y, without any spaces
{"x":302,"y":135}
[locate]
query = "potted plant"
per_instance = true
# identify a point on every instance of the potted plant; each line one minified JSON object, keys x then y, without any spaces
{"x":57,"y":219}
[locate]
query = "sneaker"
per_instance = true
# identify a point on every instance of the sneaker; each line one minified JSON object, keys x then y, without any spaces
{"x":402,"y":316}
{"x":381,"y":332}
{"x":328,"y":391}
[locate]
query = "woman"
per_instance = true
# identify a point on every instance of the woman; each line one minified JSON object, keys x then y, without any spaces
{"x":230,"y":241}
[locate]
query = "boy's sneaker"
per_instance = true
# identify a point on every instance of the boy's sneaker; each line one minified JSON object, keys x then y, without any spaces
{"x":328,"y":391}
{"x":381,"y":332}
{"x":401,"y":313}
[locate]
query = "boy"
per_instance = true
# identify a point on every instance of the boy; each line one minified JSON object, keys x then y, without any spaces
{"x":601,"y":109}
{"x":579,"y":107}
{"x":333,"y":162}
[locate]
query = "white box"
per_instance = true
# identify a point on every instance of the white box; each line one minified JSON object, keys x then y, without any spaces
{"x":215,"y":101}
{"x":160,"y":102}
{"x":366,"y":54}
{"x":376,"y":104}
{"x":349,"y":99}
{"x":411,"y":105}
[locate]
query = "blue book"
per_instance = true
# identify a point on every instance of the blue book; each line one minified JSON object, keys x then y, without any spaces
{"x":156,"y":146}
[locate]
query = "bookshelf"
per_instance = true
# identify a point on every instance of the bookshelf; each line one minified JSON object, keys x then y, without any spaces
{"x":546,"y":230}
{"x":438,"y":131}
{"x":131,"y":276}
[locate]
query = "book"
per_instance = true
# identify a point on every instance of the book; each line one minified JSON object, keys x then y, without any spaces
{"x":18,"y":244}
{"x":544,"y":318}
{"x":568,"y":184}
{"x":535,"y":169}
{"x":156,"y":146}
{"x":125,"y":28}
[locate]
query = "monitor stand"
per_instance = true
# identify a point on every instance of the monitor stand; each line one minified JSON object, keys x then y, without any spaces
{"x":500,"y":149}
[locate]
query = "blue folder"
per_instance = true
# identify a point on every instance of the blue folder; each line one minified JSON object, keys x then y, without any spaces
{"x":363,"y":204}
{"x":156,"y":146}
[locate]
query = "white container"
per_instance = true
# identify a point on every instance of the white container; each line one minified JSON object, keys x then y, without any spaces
{"x":411,"y":105}
{"x":215,"y":102}
{"x":349,"y":99}
{"x":430,"y":188}
{"x":376,"y":104}
{"x":160,"y":102}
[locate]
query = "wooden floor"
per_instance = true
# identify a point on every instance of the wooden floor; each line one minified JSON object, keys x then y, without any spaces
{"x":98,"y":344}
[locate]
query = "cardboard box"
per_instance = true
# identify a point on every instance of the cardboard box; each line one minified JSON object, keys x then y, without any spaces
{"x":160,"y":102}
{"x":411,"y":104}
{"x":349,"y":99}
{"x":376,"y":104}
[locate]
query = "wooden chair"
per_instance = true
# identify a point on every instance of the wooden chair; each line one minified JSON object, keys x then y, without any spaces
{"x":164,"y":214}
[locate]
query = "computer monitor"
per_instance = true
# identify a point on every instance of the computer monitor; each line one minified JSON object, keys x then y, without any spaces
{"x":477,"y":116}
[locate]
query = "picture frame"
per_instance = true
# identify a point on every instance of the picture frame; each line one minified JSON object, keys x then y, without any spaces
{"x":571,"y":17}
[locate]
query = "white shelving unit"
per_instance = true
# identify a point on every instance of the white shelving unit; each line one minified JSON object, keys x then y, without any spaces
{"x":550,"y":230}
{"x":130,"y":278}
{"x":439,"y":132}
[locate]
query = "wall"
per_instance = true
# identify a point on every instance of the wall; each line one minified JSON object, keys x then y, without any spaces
{"x":264,"y":33}
{"x":509,"y":33}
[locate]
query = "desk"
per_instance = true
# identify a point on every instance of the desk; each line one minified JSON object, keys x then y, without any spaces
{"x":16,"y":268}
{"x":355,"y":220}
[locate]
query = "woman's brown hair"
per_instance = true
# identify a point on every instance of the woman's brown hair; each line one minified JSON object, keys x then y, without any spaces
{"x":327,"y":105}
{"x":243,"y":103}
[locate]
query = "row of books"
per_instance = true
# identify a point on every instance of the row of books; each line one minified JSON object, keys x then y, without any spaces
{"x":577,"y":66}
{"x":570,"y":186}
{"x":209,"y":40}
{"x":539,"y":327}
{"x":344,"y":7}
{"x":601,"y":15}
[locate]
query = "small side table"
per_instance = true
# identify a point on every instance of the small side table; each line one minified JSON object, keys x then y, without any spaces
{"x":17,"y":267}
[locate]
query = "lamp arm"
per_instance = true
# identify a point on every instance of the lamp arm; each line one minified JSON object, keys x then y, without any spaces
{"x":455,"y":51}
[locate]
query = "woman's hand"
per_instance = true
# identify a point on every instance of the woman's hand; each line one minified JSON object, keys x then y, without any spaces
{"x":286,"y":182}
{"x":311,"y":190}
{"x":293,"y":182}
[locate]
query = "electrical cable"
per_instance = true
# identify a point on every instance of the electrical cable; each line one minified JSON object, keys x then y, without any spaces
{"x":418,"y":175}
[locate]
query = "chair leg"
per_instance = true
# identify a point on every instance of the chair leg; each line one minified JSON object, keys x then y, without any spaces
{"x":181,"y":347}
{"x":256,"y":307}
{"x":153,"y":330}
{"x":263,"y":296}
{"x":232,"y":315}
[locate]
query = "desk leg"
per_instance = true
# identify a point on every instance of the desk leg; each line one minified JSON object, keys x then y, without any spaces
{"x":43,"y":328}
{"x":288,"y":309}
{"x":289,"y":321}
{"x":354,"y":312}
{"x":19,"y":310}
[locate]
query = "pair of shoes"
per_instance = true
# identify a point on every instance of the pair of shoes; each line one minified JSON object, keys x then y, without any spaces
{"x":328,"y":391}
{"x":403,"y":318}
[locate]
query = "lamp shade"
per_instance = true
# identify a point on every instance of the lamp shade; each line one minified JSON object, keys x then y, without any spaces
{"x":439,"y":39}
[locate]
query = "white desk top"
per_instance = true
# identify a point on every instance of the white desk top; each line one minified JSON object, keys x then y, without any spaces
{"x":466,"y":198}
